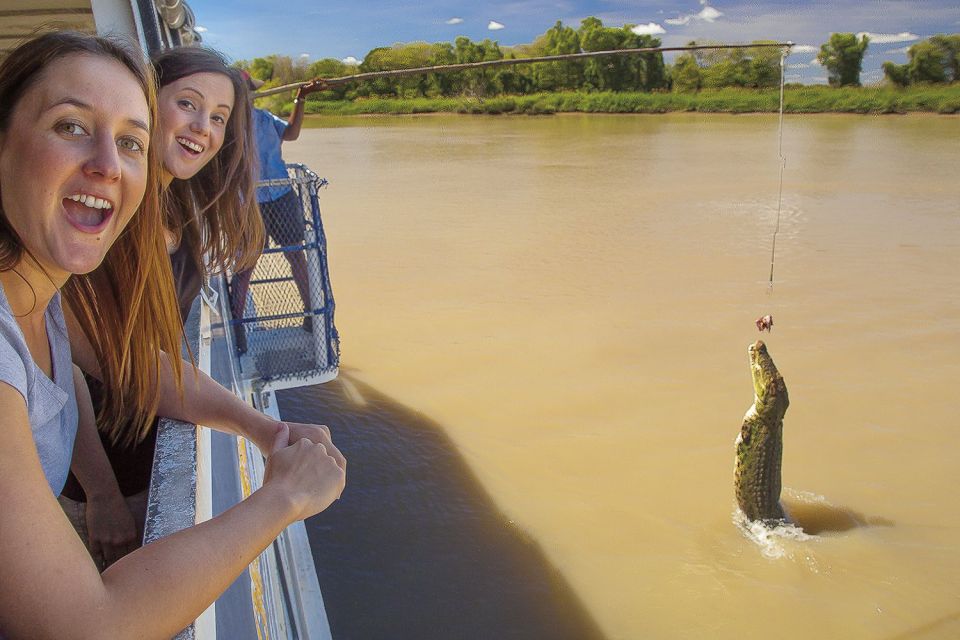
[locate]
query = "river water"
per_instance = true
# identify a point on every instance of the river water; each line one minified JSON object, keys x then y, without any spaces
{"x":567,"y":303}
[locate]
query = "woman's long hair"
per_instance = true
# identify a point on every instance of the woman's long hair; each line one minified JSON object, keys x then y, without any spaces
{"x":215,"y":212}
{"x":126,"y":307}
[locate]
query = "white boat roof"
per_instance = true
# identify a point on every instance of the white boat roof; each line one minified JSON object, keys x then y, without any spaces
{"x":154,"y":24}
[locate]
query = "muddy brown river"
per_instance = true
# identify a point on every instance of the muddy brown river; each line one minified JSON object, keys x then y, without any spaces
{"x":569,"y":300}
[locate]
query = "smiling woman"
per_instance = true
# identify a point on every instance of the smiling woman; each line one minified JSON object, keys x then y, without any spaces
{"x":79,"y":193}
{"x":211,"y":223}
{"x":194,"y":112}
{"x":70,"y":160}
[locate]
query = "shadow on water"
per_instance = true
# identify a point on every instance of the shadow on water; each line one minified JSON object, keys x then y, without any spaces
{"x":415,"y":548}
{"x":817,"y":517}
{"x":944,"y":627}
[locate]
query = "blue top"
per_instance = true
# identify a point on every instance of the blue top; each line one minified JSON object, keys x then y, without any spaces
{"x":268,"y":130}
{"x":51,"y":404}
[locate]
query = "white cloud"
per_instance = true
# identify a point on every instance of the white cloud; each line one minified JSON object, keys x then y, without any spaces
{"x":804,"y":48}
{"x":200,"y":29}
{"x":649,"y":29}
{"x":304,"y":55}
{"x":887,"y":38}
{"x":350,"y":60}
{"x":798,"y":65}
{"x":898,"y":49}
{"x":815,"y":63}
{"x":455,"y":21}
{"x":495,"y":26}
{"x":707,"y":14}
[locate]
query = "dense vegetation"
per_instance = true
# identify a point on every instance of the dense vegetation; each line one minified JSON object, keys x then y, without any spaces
{"x":730,"y":80}
{"x":797,"y":99}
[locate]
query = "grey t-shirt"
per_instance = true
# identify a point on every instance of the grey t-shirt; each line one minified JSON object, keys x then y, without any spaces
{"x":51,"y":404}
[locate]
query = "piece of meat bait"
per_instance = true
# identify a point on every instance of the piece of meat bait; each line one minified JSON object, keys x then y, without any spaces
{"x":764,"y":323}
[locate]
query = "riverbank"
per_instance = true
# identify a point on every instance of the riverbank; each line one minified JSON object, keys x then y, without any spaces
{"x":943,"y":99}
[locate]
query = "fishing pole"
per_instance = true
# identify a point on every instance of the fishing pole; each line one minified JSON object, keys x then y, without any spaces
{"x":448,"y":68}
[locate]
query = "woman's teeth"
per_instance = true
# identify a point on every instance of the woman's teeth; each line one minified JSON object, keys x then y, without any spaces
{"x":93,"y":212}
{"x":189,"y":144}
{"x":91,"y":201}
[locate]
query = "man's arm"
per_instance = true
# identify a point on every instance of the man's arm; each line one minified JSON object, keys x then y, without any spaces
{"x":292,"y":132}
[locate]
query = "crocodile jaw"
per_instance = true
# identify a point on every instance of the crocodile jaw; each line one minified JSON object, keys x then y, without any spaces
{"x":770,"y":392}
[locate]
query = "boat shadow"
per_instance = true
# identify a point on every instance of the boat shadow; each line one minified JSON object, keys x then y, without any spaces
{"x":415,"y":548}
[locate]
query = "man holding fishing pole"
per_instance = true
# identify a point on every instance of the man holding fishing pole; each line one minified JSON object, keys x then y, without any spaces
{"x":280,"y":206}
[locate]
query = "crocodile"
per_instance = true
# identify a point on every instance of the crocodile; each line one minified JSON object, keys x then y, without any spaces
{"x":760,"y":443}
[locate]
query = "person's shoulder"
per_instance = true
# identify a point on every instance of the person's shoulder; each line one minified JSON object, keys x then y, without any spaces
{"x":14,"y":355}
{"x":262,"y":118}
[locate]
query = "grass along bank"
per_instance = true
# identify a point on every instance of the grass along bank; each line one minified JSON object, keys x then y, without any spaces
{"x":797,"y":99}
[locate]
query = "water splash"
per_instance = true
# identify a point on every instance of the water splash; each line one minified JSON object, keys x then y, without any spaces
{"x":774,"y":542}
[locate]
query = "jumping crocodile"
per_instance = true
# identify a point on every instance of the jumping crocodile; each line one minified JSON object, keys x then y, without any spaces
{"x":760,"y":443}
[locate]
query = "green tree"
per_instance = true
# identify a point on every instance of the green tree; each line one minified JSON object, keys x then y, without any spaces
{"x":261,"y":68}
{"x":643,"y":71}
{"x":555,"y":76}
{"x":441,"y":84}
{"x":477,"y":82}
{"x":753,"y":67}
{"x":686,"y":74}
{"x":399,"y":56}
{"x":330,"y":68}
{"x":898,"y":74}
{"x":842,"y":56}
{"x":950,"y":46}
{"x":930,"y":61}
{"x":927,"y":62}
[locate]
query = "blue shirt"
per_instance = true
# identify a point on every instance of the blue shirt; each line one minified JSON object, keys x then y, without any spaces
{"x":51,"y":404}
{"x":268,"y":131}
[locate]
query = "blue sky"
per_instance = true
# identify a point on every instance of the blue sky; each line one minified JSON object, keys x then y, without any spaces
{"x":245,"y":29}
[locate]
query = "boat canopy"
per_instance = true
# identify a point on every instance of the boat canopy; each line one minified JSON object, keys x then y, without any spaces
{"x":155,"y":24}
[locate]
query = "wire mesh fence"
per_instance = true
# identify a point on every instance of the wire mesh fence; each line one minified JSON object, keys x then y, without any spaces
{"x":282,"y":309}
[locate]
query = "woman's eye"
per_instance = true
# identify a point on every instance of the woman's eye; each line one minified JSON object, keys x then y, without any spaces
{"x":218,"y":119}
{"x":71,"y":129}
{"x":184,"y":103}
{"x":130,"y":144}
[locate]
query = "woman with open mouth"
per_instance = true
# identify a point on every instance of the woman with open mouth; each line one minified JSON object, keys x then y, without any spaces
{"x":80,"y":211}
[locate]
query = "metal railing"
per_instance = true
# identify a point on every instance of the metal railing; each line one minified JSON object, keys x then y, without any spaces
{"x":283,"y":309}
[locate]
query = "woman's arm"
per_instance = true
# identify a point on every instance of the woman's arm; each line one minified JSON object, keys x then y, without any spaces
{"x":111,"y":529}
{"x":205,"y":401}
{"x":51,"y":588}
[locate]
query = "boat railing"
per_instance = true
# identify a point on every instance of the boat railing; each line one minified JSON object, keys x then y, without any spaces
{"x":283,"y":310}
{"x":196,"y":475}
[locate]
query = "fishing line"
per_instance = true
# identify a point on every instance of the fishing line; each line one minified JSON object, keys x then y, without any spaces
{"x":783,"y":163}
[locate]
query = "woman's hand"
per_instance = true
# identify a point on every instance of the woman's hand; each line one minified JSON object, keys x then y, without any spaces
{"x":320,"y":434}
{"x":305,"y":472}
{"x":111,"y":528}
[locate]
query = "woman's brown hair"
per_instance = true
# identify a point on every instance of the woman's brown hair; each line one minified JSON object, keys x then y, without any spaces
{"x":227,"y":228}
{"x":126,"y":307}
